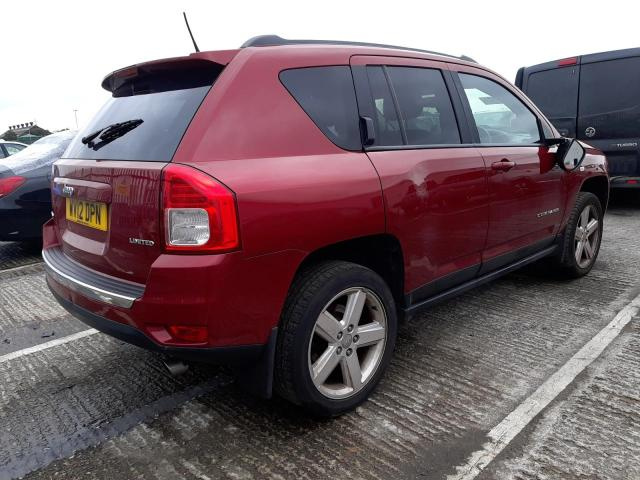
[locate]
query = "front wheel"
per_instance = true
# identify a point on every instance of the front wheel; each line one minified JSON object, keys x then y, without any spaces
{"x":582,"y":237}
{"x":337,"y":335}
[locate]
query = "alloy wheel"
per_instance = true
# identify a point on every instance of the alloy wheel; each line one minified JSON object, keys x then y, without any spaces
{"x":347,"y":343}
{"x":587,"y":236}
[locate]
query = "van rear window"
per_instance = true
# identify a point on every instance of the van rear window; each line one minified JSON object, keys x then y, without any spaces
{"x":610,"y":98}
{"x":147,"y":115}
{"x":555,"y":91}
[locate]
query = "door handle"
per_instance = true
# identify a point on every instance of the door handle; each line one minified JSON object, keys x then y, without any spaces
{"x":503,"y":165}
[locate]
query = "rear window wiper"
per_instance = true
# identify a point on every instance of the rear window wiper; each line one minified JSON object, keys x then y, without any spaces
{"x":110,"y":133}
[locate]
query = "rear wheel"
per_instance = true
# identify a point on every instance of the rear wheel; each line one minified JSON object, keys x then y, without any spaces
{"x":582,"y":237}
{"x":337,"y":335}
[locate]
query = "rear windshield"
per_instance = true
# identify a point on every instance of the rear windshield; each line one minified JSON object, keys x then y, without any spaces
{"x":157,"y":105}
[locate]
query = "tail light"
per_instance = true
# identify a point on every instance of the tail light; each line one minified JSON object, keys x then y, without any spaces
{"x":9,"y":184}
{"x":199,"y":213}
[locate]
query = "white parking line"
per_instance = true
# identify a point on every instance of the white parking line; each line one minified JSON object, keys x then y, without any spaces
{"x":503,"y":433}
{"x":20,"y":267}
{"x":47,"y":345}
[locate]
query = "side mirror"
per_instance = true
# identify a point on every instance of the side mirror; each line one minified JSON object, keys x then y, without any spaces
{"x":570,"y":155}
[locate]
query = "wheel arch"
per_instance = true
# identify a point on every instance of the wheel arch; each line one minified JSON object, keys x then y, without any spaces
{"x":381,"y":253}
{"x":599,"y":186}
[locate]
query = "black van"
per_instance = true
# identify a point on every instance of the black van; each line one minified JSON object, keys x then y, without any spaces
{"x":595,"y":98}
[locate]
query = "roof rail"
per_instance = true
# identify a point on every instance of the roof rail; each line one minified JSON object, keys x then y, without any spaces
{"x":275,"y":40}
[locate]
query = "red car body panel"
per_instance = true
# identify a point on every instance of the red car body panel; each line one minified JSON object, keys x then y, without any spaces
{"x":297,"y":192}
{"x":430,"y":191}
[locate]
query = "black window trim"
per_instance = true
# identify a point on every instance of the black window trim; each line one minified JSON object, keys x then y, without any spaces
{"x":309,"y":116}
{"x":396,"y":105}
{"x":472,"y":121}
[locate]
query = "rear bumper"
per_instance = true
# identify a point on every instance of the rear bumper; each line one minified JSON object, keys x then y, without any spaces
{"x":236,"y":355}
{"x":237,"y":299}
{"x":625,"y":182}
{"x":89,"y":283}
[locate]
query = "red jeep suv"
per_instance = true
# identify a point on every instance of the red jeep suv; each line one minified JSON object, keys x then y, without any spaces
{"x":280,"y":206}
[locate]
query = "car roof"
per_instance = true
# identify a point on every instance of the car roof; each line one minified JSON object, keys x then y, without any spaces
{"x":275,"y":40}
{"x":311,"y":48}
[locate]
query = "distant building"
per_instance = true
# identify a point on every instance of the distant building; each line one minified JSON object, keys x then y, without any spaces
{"x":25,"y":133}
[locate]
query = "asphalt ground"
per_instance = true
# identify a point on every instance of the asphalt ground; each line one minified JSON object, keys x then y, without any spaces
{"x":96,"y":408}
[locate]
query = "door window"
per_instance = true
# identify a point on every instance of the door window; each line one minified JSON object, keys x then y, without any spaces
{"x":500,"y":116}
{"x":425,"y":106}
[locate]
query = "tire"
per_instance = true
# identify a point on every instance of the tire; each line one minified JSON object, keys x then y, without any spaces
{"x":307,"y":342}
{"x":567,"y":262}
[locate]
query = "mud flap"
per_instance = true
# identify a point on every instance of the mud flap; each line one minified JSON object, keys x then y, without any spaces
{"x":257,"y":378}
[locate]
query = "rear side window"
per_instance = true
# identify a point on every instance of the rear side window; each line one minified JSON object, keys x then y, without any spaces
{"x":327,"y":95}
{"x":499,"y":115}
{"x":158,"y":103}
{"x":610,"y":98}
{"x":555,"y":92}
{"x":425,"y":106}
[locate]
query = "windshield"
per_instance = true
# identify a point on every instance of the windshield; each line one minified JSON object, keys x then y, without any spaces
{"x":41,"y":153}
{"x":161,"y":104}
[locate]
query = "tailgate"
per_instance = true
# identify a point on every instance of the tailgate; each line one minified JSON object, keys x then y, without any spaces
{"x":106,"y":189}
{"x":127,"y":241}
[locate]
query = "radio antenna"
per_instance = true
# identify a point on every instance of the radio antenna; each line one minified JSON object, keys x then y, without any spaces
{"x":190,"y":34}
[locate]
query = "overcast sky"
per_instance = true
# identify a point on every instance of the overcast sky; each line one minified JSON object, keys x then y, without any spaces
{"x":55,"y":54}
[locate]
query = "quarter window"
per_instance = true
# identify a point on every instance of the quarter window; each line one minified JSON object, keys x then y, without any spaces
{"x":327,"y":95}
{"x":500,"y":116}
{"x":425,"y":106}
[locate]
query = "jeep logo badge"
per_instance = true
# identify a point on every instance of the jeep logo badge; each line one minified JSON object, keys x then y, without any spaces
{"x":67,"y":191}
{"x":590,"y":132}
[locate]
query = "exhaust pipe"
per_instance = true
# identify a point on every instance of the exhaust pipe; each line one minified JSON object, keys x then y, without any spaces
{"x":176,"y":367}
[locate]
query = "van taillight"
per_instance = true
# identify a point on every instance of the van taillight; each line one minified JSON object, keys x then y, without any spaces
{"x":199,"y":213}
{"x":9,"y":184}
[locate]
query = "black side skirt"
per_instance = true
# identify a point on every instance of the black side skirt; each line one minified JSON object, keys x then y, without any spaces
{"x":488,"y":277}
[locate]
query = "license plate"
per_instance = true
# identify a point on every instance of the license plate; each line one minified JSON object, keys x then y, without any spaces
{"x":90,"y":214}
